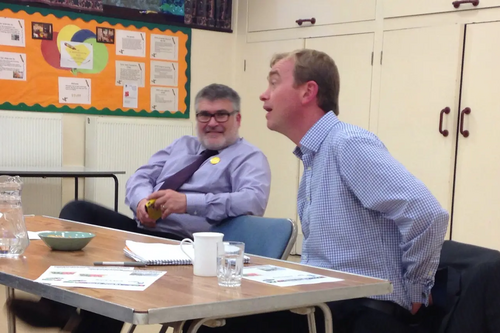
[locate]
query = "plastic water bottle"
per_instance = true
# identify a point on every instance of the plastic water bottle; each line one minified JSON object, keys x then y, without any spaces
{"x":13,"y":235}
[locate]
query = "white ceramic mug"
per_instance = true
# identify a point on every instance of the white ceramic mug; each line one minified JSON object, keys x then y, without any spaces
{"x":205,"y":252}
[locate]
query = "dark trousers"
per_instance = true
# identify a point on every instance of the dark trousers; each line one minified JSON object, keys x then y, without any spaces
{"x":91,"y":213}
{"x":350,"y":316}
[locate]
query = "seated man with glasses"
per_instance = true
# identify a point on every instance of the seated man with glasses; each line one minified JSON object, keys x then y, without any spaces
{"x":196,"y":182}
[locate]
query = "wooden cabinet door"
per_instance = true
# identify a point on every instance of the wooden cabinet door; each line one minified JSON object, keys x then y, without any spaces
{"x":278,"y":148}
{"x":281,"y":14}
{"x":353,"y":56}
{"x":476,"y":215}
{"x":421,"y":76}
{"x":395,"y":8}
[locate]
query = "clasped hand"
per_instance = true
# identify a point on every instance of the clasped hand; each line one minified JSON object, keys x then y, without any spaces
{"x":168,"y":201}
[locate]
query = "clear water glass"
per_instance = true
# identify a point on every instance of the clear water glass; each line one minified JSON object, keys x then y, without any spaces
{"x":13,"y":235}
{"x":230,"y":263}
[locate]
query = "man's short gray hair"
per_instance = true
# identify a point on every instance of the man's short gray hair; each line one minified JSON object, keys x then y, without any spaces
{"x":217,"y":91}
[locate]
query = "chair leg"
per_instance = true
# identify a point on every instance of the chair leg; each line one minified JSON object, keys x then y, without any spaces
{"x":311,"y":320}
{"x":196,"y":324}
{"x":309,"y":312}
{"x":177,"y":326}
{"x":11,"y":318}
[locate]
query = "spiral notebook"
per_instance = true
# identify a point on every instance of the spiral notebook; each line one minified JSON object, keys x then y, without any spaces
{"x":158,"y":254}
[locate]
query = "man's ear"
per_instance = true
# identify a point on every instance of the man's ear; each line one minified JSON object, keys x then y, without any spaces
{"x":309,"y":92}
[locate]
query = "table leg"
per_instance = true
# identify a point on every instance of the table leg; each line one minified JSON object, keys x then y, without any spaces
{"x":11,"y":319}
{"x":116,"y":192}
{"x":76,"y":188}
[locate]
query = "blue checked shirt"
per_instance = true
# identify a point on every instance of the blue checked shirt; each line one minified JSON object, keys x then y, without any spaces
{"x":362,"y":212}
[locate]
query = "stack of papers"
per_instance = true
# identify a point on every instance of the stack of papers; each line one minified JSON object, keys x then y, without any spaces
{"x":157,"y":254}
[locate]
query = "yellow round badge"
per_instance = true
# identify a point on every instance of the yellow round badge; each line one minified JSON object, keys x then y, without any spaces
{"x":215,"y":160}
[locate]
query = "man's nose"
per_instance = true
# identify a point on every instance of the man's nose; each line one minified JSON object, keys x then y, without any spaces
{"x":264,"y":96}
{"x":212,"y":122}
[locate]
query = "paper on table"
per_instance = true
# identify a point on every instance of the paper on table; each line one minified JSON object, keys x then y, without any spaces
{"x":283,"y":277}
{"x":33,"y":235}
{"x":120,"y":278}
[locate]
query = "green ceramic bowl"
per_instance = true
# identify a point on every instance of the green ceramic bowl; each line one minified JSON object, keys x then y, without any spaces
{"x":66,"y":240}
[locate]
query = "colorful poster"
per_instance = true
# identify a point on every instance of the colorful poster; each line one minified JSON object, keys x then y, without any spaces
{"x":69,"y":62}
{"x":77,"y":55}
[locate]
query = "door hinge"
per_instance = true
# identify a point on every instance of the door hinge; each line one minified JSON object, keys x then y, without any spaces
{"x":381,"y":56}
{"x":244,"y":65}
{"x":372,"y":59}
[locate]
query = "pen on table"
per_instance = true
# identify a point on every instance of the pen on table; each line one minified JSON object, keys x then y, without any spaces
{"x":120,"y":263}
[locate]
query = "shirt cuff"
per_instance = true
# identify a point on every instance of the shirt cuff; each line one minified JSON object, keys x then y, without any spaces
{"x":418,"y":293}
{"x":196,"y":204}
{"x":135,"y":201}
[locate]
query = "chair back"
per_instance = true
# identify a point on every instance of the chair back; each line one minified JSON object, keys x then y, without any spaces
{"x":263,"y":236}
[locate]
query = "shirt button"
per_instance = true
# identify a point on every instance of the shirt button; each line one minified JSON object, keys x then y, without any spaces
{"x":308,"y":168}
{"x":308,"y":198}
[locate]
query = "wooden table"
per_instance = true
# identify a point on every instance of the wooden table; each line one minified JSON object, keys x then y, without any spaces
{"x":178,"y":295}
{"x":65,"y":172}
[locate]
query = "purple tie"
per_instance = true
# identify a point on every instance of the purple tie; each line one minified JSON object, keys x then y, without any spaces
{"x":175,"y":181}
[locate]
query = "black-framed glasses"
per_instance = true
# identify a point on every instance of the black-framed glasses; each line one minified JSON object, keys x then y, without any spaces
{"x":220,"y":116}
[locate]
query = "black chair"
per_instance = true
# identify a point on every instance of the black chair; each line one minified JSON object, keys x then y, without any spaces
{"x":467,"y":289}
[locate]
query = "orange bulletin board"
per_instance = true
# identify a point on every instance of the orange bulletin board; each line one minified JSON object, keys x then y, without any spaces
{"x":58,"y":61}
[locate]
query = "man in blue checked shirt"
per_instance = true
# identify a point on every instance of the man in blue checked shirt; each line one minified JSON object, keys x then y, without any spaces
{"x":361,"y":211}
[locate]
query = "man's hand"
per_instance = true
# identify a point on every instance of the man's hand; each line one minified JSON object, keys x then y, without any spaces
{"x":415,"y":307}
{"x":143,"y":216}
{"x":169,"y":202}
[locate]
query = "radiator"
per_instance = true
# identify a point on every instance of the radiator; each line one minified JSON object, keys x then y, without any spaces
{"x":33,"y":139}
{"x":124,"y":144}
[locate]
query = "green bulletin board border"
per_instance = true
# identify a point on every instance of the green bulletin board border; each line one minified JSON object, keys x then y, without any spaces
{"x":106,"y":111}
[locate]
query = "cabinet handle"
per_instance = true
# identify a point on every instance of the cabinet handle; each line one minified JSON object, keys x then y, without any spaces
{"x":457,"y":4}
{"x":464,"y":112}
{"x":443,"y":111}
{"x":300,"y":21}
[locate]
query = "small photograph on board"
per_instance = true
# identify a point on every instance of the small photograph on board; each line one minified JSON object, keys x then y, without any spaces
{"x":105,"y":35}
{"x":17,"y":74}
{"x":41,"y":30}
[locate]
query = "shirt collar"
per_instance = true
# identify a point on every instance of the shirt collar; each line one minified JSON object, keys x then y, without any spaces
{"x":311,"y":142}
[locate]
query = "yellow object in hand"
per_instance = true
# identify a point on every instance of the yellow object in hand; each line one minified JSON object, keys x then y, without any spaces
{"x":153,"y":213}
